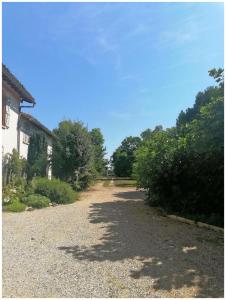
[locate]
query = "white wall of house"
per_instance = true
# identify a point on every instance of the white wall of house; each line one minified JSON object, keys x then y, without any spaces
{"x":49,"y":151}
{"x":24,"y":143}
{"x":9,"y":132}
{"x":11,"y":137}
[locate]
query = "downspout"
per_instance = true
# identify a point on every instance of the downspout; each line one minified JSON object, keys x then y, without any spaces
{"x":18,"y":123}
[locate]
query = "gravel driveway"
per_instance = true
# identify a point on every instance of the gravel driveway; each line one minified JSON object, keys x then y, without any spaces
{"x":109,"y":244}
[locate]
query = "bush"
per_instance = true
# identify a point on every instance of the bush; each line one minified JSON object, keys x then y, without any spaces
{"x":56,"y":190}
{"x":36,"y":201}
{"x":14,"y":205}
{"x":13,"y":168}
{"x":12,"y":191}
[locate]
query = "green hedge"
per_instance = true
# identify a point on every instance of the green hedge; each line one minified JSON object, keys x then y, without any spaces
{"x":56,"y":190}
{"x":36,"y":201}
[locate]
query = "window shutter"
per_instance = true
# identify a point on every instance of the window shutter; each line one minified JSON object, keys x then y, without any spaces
{"x":3,"y":109}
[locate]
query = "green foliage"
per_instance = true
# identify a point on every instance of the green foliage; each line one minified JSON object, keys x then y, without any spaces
{"x":14,"y":205}
{"x":57,"y":191}
{"x":153,"y":156}
{"x":123,"y":157}
{"x":37,"y":158}
{"x":13,"y":168}
{"x":182,"y":168}
{"x":97,"y":140}
{"x":146,"y":134}
{"x":36,"y":201}
{"x":218,"y":75}
{"x":72,"y":157}
{"x":12,"y":191}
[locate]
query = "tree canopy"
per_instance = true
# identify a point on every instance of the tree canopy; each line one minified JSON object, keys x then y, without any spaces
{"x":181,"y":168}
{"x":123,"y":157}
{"x":73,"y":154}
{"x":97,"y":140}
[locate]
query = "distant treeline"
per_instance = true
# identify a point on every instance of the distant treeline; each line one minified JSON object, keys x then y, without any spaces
{"x":182,"y":168}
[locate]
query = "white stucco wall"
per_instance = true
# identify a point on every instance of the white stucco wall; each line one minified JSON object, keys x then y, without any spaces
{"x":49,"y":151}
{"x":9,"y":134}
{"x":23,"y":146}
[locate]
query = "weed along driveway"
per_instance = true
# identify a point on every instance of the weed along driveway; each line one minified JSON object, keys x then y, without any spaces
{"x":109,"y":244}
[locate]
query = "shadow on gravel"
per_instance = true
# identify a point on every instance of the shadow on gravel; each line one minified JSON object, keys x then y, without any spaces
{"x":169,"y":252}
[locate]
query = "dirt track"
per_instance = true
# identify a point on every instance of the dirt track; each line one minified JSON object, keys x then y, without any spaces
{"x":109,"y":244}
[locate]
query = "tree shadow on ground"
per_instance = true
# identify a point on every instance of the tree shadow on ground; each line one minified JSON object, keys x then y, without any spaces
{"x":166,"y":251}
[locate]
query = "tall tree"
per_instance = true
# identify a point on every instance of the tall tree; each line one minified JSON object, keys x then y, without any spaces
{"x":97,"y":140}
{"x":146,"y":134}
{"x":182,"y":168}
{"x":73,"y":154}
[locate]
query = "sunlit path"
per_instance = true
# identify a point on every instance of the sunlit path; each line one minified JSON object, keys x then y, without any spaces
{"x":109,"y":244}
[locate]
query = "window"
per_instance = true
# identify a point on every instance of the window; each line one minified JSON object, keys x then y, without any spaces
{"x":26,"y":138}
{"x":7,"y":115}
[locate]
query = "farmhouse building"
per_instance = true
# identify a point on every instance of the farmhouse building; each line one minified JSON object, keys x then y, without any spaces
{"x":17,"y":126}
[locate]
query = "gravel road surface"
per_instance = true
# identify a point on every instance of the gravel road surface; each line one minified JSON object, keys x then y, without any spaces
{"x":108,"y":244}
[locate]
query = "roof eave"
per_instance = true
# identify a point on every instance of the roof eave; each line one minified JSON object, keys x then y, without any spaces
{"x":16,"y":85}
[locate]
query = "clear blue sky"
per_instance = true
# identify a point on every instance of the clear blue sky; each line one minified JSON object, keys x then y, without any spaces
{"x":122,"y":67}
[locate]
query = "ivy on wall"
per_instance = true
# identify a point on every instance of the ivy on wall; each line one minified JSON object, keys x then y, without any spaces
{"x":37,"y":158}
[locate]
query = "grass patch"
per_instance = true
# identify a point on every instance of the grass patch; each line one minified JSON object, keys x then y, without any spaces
{"x":125,"y":183}
{"x":14,"y":206}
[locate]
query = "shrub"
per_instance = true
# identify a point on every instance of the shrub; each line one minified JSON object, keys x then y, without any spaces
{"x":55,"y":189}
{"x":36,"y":201}
{"x":11,"y":191}
{"x":14,"y":205}
{"x":13,"y":168}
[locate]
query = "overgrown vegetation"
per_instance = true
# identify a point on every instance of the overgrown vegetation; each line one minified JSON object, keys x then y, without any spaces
{"x":182,"y":168}
{"x":57,"y":191}
{"x":14,"y":205}
{"x":13,"y":169}
{"x":36,"y":201}
{"x":37,"y":157}
{"x":78,"y":158}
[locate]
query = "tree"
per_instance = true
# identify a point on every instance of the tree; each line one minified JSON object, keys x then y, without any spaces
{"x":218,"y":75}
{"x":73,"y":155}
{"x":182,"y":168}
{"x":146,"y":134}
{"x":123,"y":157}
{"x":97,"y":140}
